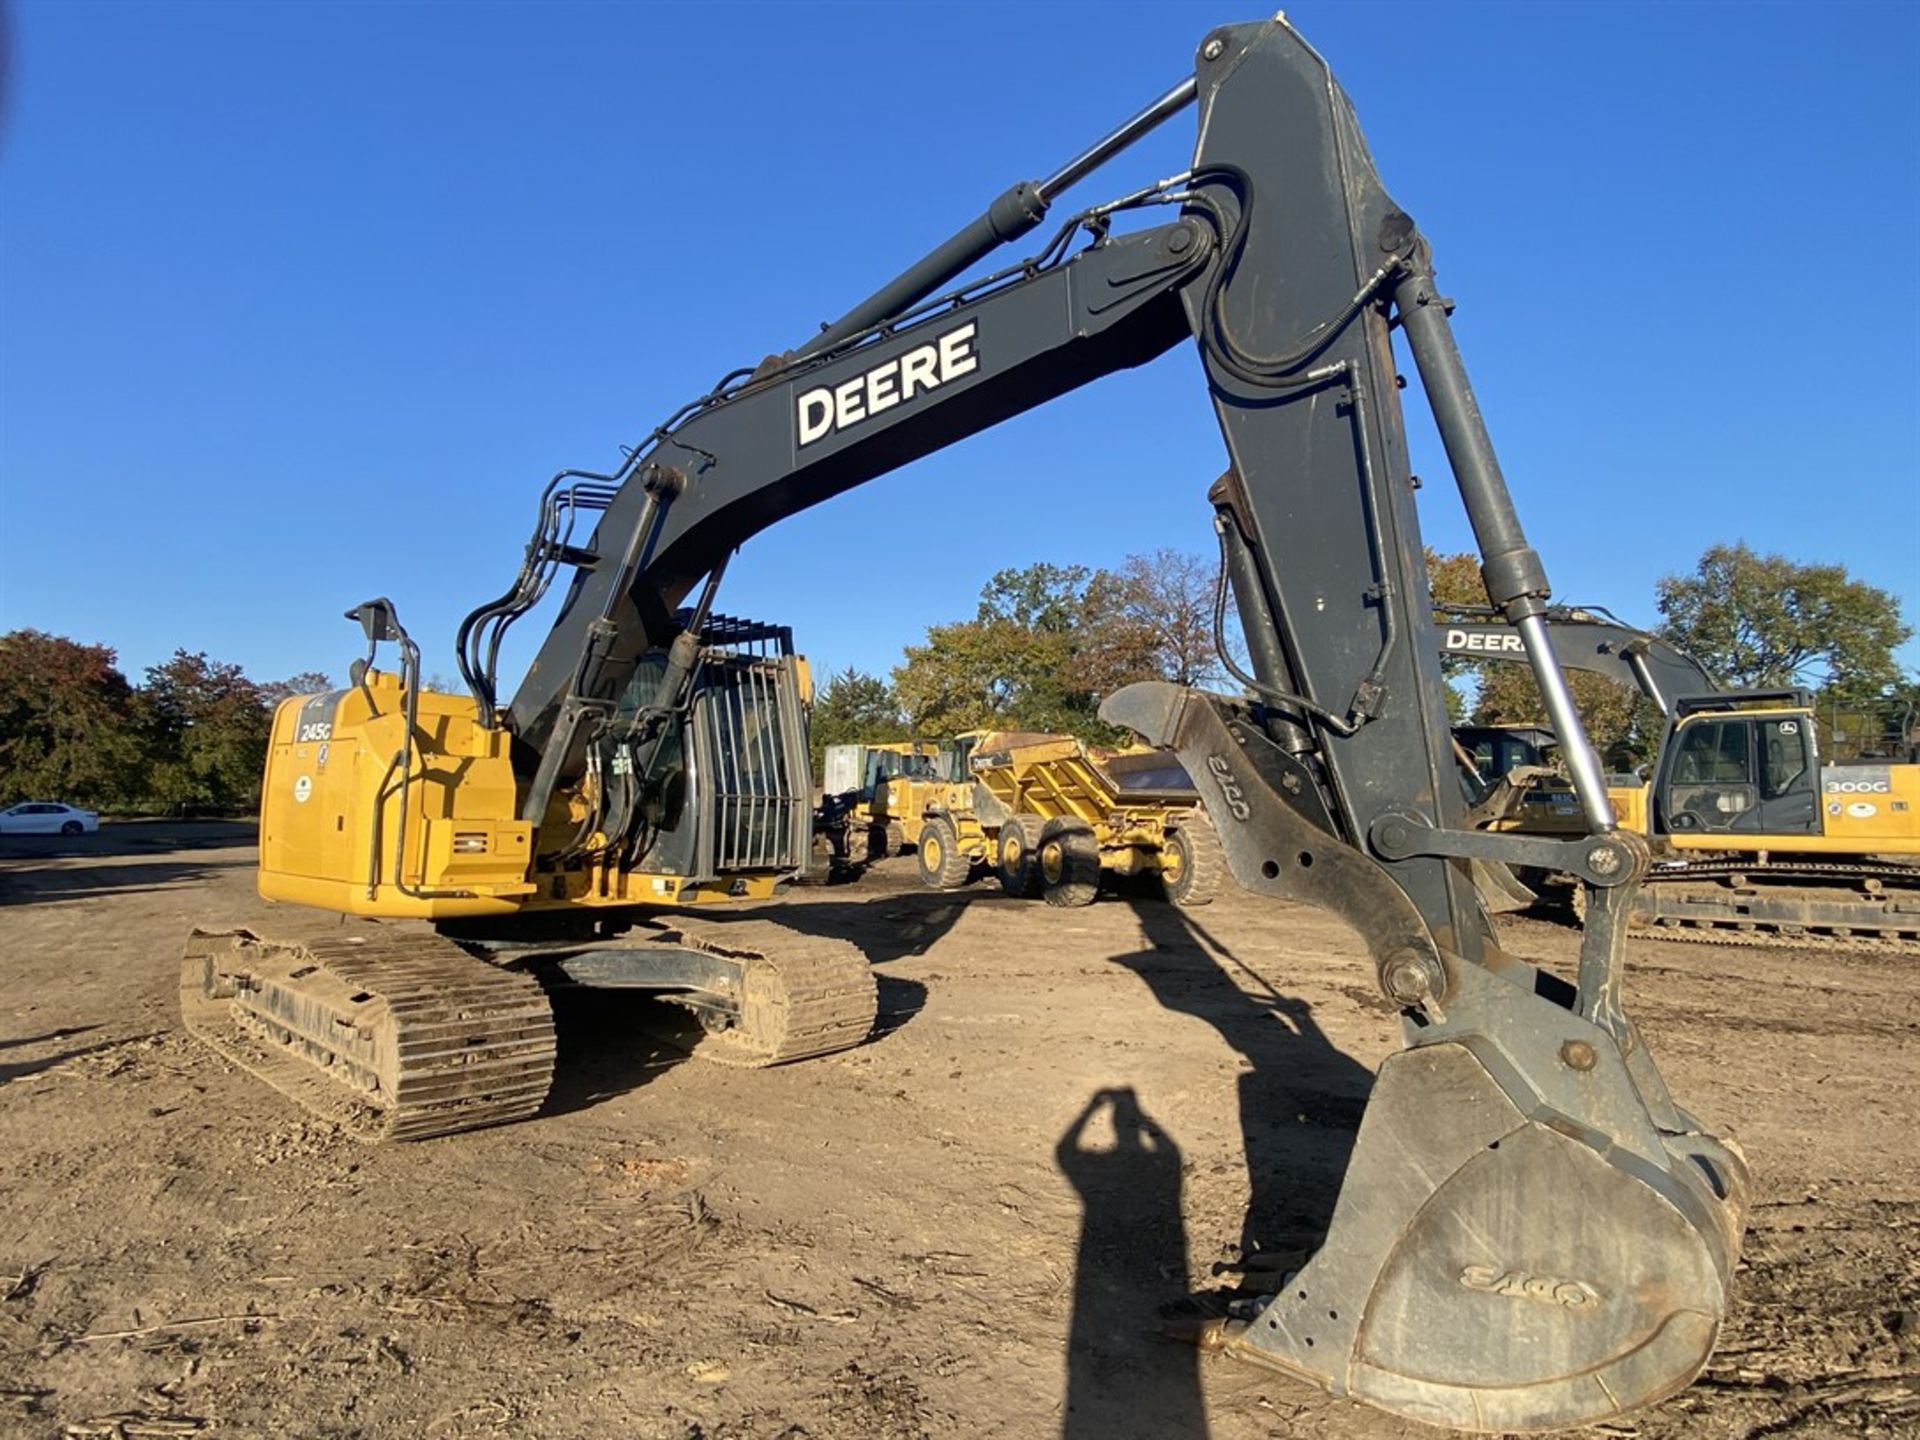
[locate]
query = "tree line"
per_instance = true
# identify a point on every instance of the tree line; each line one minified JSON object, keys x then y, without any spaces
{"x":1047,"y":642}
{"x":1042,"y":648}
{"x":191,"y":738}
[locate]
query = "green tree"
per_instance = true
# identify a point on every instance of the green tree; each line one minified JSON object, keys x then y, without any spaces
{"x":1016,"y":664}
{"x":1454,"y":579}
{"x":1767,"y":621}
{"x":66,"y":723}
{"x":1045,"y":598}
{"x":205,"y":726}
{"x":976,"y":674}
{"x":854,"y":708}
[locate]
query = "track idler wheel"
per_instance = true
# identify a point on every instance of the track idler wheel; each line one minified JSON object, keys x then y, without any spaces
{"x":1516,"y":1245}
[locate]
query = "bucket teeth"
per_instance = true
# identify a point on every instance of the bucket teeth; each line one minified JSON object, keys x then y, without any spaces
{"x":1504,"y":1259}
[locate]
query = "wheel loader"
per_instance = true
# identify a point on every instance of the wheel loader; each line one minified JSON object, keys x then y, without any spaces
{"x":1532,"y":1232}
{"x":887,"y":790}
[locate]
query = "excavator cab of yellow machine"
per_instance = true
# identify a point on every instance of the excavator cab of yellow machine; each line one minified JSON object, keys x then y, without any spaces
{"x":1742,"y":763}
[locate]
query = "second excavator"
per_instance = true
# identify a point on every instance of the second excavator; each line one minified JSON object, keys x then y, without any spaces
{"x":1756,"y":834}
{"x":1532,"y":1232}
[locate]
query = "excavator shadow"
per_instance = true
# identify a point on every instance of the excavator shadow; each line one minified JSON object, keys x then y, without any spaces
{"x":887,"y":927}
{"x":1128,"y":1375}
{"x":609,"y":1043}
{"x":1300,"y":1097}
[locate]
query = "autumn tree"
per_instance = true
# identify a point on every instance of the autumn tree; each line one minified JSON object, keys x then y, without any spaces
{"x":1150,"y":620}
{"x":1764,"y":621}
{"x":1623,"y":726}
{"x":66,"y":722}
{"x":1454,"y":579}
{"x":204,"y":729}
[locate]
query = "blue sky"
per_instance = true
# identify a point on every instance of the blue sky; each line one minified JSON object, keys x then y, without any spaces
{"x":301,"y":304}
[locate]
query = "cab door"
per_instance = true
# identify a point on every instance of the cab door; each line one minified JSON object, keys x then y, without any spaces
{"x":1741,"y":775}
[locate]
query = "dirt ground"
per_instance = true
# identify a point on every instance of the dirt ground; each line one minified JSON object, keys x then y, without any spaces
{"x":979,"y":1224}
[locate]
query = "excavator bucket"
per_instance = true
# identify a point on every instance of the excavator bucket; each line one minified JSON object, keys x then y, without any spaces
{"x":1530,"y":1235}
{"x":1513,"y":1248}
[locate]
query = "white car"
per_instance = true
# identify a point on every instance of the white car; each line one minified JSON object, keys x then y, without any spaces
{"x":37,"y":818}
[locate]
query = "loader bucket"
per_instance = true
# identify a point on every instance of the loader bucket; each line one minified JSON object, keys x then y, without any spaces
{"x":1516,"y":1246}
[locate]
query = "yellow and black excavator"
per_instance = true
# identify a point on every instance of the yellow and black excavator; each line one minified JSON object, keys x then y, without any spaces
{"x":1755,"y":833}
{"x":1531,"y":1233}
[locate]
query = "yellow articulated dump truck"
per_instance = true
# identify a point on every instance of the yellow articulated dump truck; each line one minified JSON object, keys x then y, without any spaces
{"x":1054,"y":817}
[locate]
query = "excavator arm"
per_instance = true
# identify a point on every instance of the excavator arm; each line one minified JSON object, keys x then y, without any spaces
{"x":1589,"y":638}
{"x":1531,"y":1233}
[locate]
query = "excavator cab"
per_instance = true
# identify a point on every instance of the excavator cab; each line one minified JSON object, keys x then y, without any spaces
{"x":1742,"y":763}
{"x":729,"y":793}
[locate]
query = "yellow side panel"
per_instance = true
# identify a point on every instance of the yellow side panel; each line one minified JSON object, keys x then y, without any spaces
{"x":595,"y":887}
{"x":1872,"y":809}
{"x":1864,"y":810}
{"x":1630,"y":806}
{"x":331,"y":832}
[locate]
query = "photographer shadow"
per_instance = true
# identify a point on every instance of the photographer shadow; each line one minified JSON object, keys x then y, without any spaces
{"x":1300,"y":1101}
{"x":1124,"y":1378}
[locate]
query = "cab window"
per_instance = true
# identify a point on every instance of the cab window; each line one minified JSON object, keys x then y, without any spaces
{"x":1714,"y":752}
{"x":1784,"y":756}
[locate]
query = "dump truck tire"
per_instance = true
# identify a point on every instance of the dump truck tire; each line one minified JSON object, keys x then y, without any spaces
{"x":943,"y":864}
{"x":1069,"y":863}
{"x":1015,"y":859}
{"x":1192,"y":863}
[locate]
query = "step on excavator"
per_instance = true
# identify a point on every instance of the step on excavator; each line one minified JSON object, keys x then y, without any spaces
{"x":1532,"y":1234}
{"x":1756,"y":836}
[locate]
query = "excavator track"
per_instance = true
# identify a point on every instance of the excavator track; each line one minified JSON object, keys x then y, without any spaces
{"x":806,"y":995}
{"x":1804,"y":905}
{"x":394,"y":1035}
